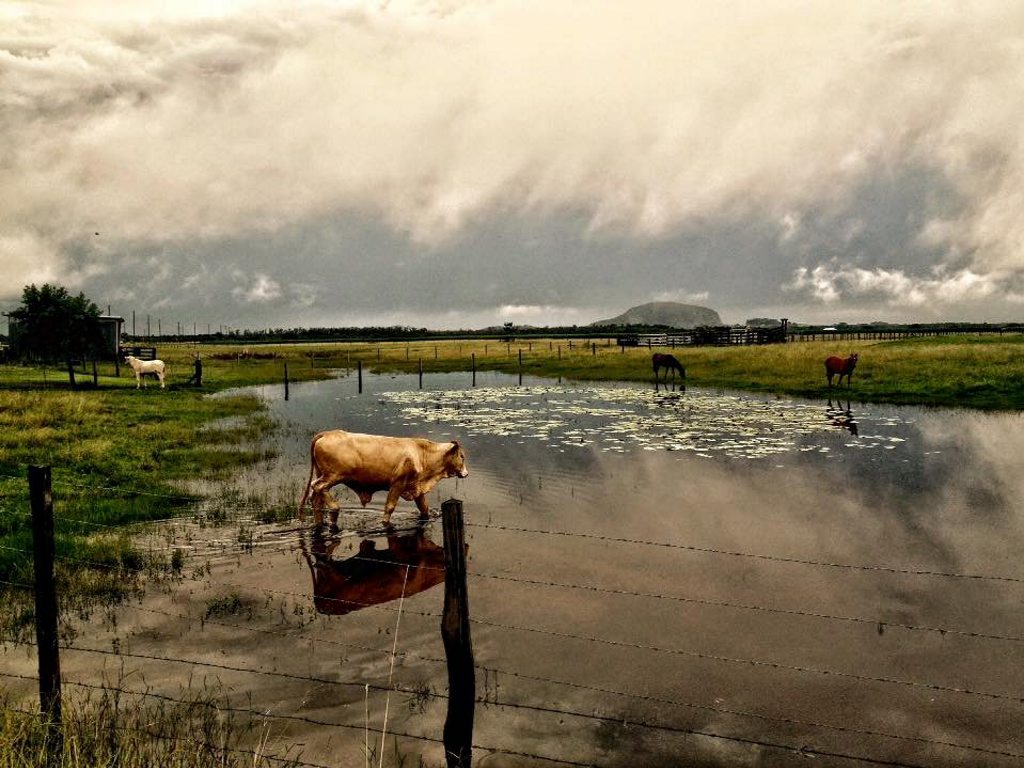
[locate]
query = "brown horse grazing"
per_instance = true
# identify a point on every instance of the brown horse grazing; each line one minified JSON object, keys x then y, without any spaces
{"x":669,"y":363}
{"x":841,"y":366}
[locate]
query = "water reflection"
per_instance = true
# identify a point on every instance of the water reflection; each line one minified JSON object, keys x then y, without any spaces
{"x":410,"y":564}
{"x":841,"y":417}
{"x":775,"y":536}
{"x":669,"y":386}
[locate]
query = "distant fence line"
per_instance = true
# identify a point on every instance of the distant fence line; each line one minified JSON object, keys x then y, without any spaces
{"x":718,"y":336}
{"x":724,"y":336}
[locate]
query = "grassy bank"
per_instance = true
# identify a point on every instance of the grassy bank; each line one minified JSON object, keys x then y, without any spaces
{"x":117,"y":455}
{"x":985,"y":372}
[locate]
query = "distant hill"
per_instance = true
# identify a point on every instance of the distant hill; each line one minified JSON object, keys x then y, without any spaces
{"x":670,"y":313}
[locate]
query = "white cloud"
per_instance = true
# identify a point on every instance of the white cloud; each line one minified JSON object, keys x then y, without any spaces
{"x":261,"y":288}
{"x":25,"y":259}
{"x":686,"y":297}
{"x":831,"y":283}
{"x":528,"y":314}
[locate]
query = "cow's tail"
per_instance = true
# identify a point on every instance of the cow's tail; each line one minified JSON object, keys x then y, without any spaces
{"x":309,"y":482}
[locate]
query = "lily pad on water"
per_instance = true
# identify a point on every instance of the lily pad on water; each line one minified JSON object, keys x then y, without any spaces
{"x":614,"y":419}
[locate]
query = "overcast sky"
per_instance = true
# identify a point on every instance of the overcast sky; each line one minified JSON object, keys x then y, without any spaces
{"x":449,"y":163}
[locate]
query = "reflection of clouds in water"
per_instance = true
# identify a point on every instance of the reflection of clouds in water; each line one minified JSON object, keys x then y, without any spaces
{"x":619,"y":419}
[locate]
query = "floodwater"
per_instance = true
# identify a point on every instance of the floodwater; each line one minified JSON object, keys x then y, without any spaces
{"x":656,"y":578}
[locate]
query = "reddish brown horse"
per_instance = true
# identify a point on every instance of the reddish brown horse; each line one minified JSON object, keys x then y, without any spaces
{"x":669,"y":363}
{"x":843,"y":366}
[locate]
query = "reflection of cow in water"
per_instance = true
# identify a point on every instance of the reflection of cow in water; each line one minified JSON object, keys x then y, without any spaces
{"x":412,"y":563}
{"x":840,"y":417}
{"x":670,"y":363}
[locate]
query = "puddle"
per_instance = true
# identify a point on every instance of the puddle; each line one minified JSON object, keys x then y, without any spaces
{"x":643,"y":565}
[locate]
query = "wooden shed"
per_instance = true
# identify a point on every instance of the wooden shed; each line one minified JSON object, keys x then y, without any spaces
{"x":111,"y":327}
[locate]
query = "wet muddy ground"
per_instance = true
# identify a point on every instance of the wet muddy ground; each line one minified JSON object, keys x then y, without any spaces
{"x":656,"y":578}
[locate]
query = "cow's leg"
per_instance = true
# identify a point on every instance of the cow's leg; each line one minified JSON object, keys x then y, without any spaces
{"x":401,"y":480}
{"x":394,"y":492}
{"x":320,"y":498}
{"x":161,"y":380}
{"x":423,"y":506}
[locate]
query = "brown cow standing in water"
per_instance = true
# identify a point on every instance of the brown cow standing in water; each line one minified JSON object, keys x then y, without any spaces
{"x":405,"y":467}
{"x":840,"y":365}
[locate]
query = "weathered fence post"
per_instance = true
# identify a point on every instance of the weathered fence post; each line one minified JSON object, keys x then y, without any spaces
{"x":286,"y":381}
{"x":458,"y":646}
{"x":593,"y":349}
{"x":71,"y":374}
{"x":474,"y":368}
{"x":41,"y":499}
{"x":359,"y":370}
{"x":420,"y":366}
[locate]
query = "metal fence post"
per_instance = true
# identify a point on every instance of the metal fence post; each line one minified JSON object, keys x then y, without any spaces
{"x":41,"y":499}
{"x":458,"y":646}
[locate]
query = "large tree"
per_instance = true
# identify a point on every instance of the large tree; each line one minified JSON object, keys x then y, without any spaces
{"x":51,"y":324}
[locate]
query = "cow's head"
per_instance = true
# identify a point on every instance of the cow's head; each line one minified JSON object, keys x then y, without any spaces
{"x":455,"y":460}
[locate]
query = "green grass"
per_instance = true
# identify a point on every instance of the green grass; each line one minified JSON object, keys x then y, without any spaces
{"x":985,"y":372}
{"x":116,"y":454}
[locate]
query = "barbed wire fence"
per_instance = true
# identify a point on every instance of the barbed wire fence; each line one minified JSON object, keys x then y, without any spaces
{"x":962,"y":753}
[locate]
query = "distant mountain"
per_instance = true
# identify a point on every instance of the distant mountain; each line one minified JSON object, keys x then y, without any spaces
{"x":670,"y":313}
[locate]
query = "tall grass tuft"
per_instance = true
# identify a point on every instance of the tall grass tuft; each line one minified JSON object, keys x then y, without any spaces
{"x":106,"y":726}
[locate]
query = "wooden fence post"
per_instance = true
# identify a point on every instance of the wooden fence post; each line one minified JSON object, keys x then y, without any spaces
{"x":95,"y":374}
{"x":286,"y":381}
{"x":458,"y":646}
{"x":474,"y":368}
{"x":359,"y":370}
{"x":419,"y":363}
{"x":41,"y":499}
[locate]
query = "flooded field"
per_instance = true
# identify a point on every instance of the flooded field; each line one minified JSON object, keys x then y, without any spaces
{"x":655,"y":578}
